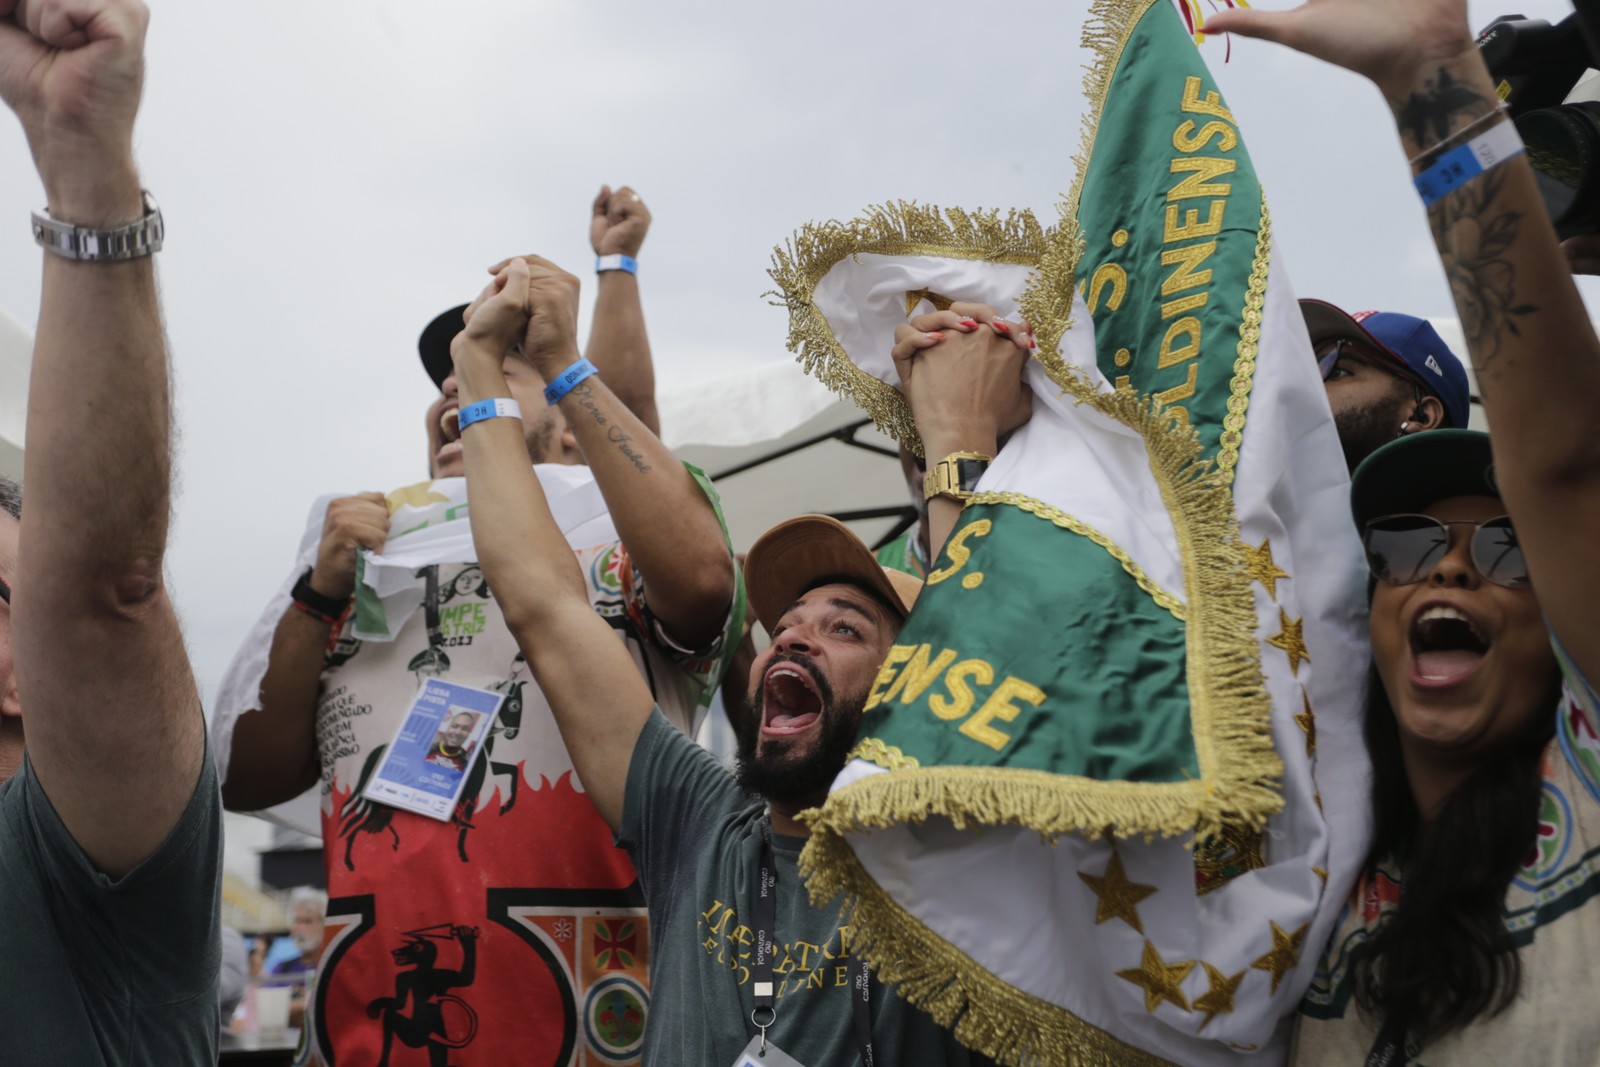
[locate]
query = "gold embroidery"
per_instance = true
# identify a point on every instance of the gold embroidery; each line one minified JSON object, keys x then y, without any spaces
{"x":914,"y":297}
{"x":1220,"y":858}
{"x":1285,"y":954}
{"x":887,"y":756}
{"x":897,"y":229}
{"x":1060,"y":518}
{"x":1116,"y":897}
{"x":1292,"y":640}
{"x":1258,"y":561}
{"x":1307,"y":721}
{"x":1321,"y":872}
{"x":1255,"y":303}
{"x":1159,"y":979}
{"x":1218,"y":1000}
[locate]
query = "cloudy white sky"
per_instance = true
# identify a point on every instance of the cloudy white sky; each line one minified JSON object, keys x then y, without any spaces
{"x":334,"y":174}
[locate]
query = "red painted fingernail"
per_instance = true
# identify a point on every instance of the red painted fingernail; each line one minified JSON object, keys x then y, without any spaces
{"x":971,"y":324}
{"x":1000,"y":326}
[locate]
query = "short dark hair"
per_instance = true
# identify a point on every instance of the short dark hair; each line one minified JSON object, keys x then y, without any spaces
{"x":10,"y":497}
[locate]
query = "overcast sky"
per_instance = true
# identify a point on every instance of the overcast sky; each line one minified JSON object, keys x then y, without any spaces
{"x":334,"y":174}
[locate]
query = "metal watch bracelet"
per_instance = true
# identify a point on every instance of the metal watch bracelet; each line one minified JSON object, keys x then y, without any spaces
{"x":139,"y":238}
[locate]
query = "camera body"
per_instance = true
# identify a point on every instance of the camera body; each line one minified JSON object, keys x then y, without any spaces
{"x":1546,"y":75}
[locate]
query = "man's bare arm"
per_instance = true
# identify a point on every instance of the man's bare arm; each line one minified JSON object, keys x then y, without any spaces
{"x":1530,"y":339}
{"x":274,"y":756}
{"x":599,"y":701}
{"x":618,"y":342}
{"x":111,"y":716}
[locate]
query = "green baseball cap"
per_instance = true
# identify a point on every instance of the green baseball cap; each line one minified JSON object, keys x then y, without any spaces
{"x":1420,"y":470}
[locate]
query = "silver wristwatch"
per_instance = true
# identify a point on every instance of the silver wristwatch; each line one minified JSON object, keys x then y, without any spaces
{"x":139,"y":238}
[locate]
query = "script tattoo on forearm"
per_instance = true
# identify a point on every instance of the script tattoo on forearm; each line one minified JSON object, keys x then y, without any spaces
{"x":1473,"y":234}
{"x":615,"y":434}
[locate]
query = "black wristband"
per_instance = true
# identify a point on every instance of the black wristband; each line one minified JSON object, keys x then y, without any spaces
{"x":315,"y":604}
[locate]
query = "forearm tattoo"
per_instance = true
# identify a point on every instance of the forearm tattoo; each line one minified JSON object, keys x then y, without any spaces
{"x":1474,"y":234}
{"x":618,"y":437}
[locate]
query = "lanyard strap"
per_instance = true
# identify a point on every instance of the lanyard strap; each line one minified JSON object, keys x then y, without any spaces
{"x":761,"y":966}
{"x":1389,"y":1050}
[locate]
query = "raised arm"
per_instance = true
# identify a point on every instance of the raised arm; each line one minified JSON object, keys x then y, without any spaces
{"x":111,"y":717}
{"x":663,"y":517}
{"x":961,"y":372}
{"x":618,"y":342}
{"x":598,"y":698}
{"x":274,"y":756}
{"x":1529,"y":336}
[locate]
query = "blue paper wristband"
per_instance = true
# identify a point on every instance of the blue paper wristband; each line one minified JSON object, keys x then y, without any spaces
{"x":1460,"y":165}
{"x":567,"y":379}
{"x":494,"y":407}
{"x":616,"y":262}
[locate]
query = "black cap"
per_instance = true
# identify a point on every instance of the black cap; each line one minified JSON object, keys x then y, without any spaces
{"x":434,"y":344}
{"x":1420,"y":470}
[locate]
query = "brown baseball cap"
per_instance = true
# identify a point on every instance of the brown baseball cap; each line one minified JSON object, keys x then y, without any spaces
{"x":796,"y":554}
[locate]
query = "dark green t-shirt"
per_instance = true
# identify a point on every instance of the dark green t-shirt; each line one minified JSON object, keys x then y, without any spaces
{"x":100,"y":972}
{"x":695,"y":838}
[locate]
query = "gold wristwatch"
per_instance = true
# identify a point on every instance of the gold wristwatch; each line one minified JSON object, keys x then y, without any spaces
{"x":956,"y":475}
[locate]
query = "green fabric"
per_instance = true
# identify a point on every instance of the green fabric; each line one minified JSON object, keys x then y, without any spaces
{"x":901,"y":554}
{"x":1129,"y":187}
{"x":96,"y":972}
{"x":735,"y":626}
{"x":695,"y":839}
{"x":1110,"y":664}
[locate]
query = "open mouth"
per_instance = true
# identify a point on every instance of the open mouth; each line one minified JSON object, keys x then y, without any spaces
{"x":1446,"y":646}
{"x":789,"y":700}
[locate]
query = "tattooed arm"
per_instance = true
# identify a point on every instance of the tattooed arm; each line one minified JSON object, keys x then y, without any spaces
{"x":669,"y":527}
{"x":1527,"y":331}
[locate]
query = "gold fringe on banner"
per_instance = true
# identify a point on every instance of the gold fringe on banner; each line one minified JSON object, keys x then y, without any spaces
{"x":898,"y":229}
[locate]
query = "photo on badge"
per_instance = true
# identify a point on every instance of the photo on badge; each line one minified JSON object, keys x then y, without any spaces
{"x":426,"y":765}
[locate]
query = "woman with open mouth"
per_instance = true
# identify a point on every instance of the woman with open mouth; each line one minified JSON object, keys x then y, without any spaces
{"x":1473,"y":934}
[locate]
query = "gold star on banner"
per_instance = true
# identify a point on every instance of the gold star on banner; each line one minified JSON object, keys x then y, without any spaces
{"x":1118,"y":897}
{"x":1259,"y":565}
{"x":418,"y":496}
{"x":1321,"y":872}
{"x":1308,"y":722}
{"x":1159,"y":979}
{"x":914,"y":297}
{"x":1292,"y":640}
{"x":1218,"y":1000}
{"x":1222,"y":857}
{"x":1285,"y":954}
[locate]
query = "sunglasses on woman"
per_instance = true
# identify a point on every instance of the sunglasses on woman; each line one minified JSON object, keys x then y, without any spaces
{"x":1402,"y":549}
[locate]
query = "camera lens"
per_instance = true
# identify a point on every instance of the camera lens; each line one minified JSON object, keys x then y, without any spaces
{"x":1564,"y":148}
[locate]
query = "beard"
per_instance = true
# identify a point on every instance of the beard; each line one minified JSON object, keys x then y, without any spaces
{"x":790,"y":771}
{"x":1364,"y":430}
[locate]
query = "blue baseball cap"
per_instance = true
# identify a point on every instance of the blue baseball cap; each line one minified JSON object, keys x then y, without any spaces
{"x":1421,"y":354}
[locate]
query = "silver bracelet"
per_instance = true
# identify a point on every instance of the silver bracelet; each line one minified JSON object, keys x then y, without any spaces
{"x":141,"y":237}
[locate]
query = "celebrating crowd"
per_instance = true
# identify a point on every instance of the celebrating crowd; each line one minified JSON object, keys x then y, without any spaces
{"x":500,"y":712}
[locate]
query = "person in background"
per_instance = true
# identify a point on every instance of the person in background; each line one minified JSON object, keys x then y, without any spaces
{"x":1387,"y":375}
{"x":306,"y":909}
{"x":443,"y":955}
{"x":110,"y":826}
{"x":1471,"y":938}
